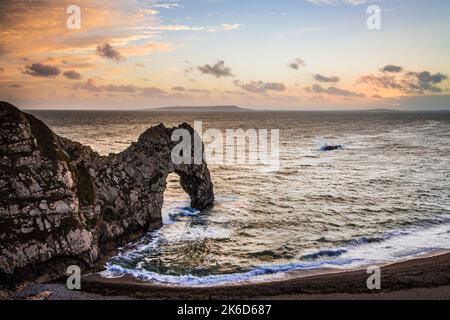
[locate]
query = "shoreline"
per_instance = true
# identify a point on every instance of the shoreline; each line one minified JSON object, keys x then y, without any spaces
{"x":425,"y":277}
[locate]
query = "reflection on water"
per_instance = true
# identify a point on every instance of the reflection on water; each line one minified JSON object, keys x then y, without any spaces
{"x":383,"y":197}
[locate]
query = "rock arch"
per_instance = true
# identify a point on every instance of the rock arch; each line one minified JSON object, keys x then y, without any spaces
{"x":61,"y":201}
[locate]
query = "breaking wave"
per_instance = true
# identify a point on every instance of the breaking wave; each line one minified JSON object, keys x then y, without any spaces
{"x":391,"y":247}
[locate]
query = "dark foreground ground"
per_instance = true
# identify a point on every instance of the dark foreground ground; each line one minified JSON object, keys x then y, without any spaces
{"x":424,"y":278}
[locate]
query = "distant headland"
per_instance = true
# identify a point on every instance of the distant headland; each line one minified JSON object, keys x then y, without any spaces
{"x":201,"y":109}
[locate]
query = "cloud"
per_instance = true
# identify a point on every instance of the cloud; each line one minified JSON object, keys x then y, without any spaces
{"x":168,"y":5}
{"x":38,"y":26}
{"x":384,"y":81}
{"x":428,"y":81}
{"x":140,"y":65}
{"x":72,"y":75}
{"x":408,"y":82}
{"x":296,"y":64}
{"x":218,"y":70}
{"x":120,"y":88}
{"x":182,"y":27}
{"x":261,"y":87}
{"x":231,"y":27}
{"x":390,"y":68}
{"x":176,"y":27}
{"x":333,"y":91}
{"x":152,"y":91}
{"x":108,"y":52}
{"x":91,"y":85}
{"x":335,"y":2}
{"x":178,"y":89}
{"x":42,"y":70}
{"x":321,"y":78}
{"x":81,"y":62}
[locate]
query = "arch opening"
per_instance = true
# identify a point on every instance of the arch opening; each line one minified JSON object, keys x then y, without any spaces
{"x":177,"y":201}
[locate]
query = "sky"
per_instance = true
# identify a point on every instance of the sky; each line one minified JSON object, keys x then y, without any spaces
{"x":284,"y":54}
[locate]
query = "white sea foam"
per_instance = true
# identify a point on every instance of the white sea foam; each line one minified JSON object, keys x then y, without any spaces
{"x":392,"y":247}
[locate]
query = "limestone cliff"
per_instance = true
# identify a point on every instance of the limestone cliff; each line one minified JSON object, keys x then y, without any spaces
{"x":61,"y":203}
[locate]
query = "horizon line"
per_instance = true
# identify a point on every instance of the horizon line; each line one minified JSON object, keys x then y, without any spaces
{"x":241,"y":109}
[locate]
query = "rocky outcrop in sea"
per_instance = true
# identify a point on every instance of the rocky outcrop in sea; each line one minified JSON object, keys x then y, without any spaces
{"x":61,"y":203}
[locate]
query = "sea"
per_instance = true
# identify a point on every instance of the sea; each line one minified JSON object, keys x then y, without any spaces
{"x":381,"y":198}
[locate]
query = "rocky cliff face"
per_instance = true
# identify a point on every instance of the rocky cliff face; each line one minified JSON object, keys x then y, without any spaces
{"x":61,"y":203}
